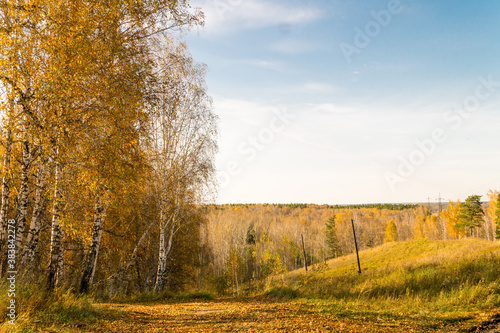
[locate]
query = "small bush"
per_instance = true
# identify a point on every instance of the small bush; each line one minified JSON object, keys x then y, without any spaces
{"x":282,"y":292}
{"x":204,"y":295}
{"x":150,"y":296}
{"x":153,"y":296}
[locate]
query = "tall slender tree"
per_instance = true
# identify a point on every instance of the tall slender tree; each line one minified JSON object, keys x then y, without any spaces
{"x":331,"y":237}
{"x":183,"y":144}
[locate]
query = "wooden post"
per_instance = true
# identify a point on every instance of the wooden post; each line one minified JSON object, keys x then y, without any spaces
{"x":304,"y":250}
{"x":356,"y":245}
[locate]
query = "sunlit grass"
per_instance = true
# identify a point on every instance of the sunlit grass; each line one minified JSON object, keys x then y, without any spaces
{"x":437,"y":282}
{"x":416,"y":285}
{"x":35,"y":307}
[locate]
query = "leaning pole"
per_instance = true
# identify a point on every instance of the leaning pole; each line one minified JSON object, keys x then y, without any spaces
{"x":356,"y":245}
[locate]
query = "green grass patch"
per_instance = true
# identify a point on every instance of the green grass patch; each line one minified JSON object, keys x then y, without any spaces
{"x":282,"y":292}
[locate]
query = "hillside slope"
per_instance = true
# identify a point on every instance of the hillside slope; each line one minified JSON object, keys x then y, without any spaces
{"x":465,"y":270}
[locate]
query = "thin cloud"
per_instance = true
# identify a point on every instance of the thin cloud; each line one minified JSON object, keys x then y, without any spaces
{"x":320,"y":87}
{"x":264,"y":64}
{"x":328,"y":108}
{"x":340,"y":152}
{"x":229,"y":16}
{"x":234,"y":111}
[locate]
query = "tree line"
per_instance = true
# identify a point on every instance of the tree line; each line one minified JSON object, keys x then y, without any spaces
{"x":107,"y":143}
{"x":304,"y":205}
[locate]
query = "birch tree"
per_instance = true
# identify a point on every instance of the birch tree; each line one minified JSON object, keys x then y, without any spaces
{"x":183,"y":144}
{"x":39,"y":207}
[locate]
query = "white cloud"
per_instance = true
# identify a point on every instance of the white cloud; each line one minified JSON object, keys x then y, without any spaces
{"x":320,"y":87}
{"x":265,"y":64}
{"x":328,"y":108}
{"x":243,"y":115}
{"x":227,"y":16}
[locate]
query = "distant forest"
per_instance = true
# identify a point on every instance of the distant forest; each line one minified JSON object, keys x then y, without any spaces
{"x":390,"y":206}
{"x":246,"y":243}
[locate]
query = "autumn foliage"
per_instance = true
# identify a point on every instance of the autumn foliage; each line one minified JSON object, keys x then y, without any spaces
{"x":107,"y":143}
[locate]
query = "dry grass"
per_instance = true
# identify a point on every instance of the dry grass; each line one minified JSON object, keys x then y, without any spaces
{"x":442,"y":280}
{"x":416,"y":286}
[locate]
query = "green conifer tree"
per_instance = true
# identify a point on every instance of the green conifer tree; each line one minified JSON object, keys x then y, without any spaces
{"x":471,"y":214}
{"x":331,"y":237}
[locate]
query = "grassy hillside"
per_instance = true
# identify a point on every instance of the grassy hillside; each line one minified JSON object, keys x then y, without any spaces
{"x":466,"y":270}
{"x":434,"y":283}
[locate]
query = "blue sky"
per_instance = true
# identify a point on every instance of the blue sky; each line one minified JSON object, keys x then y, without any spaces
{"x":353,"y":101}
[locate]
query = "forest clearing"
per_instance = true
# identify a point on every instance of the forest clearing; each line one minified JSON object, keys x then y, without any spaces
{"x":414,"y":286}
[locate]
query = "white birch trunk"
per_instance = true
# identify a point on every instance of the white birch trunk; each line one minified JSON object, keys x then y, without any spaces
{"x":91,"y":262}
{"x":167,"y":229}
{"x":132,"y":258}
{"x":55,"y":256}
{"x":31,"y":243}
{"x":22,"y":203}
{"x":445,"y":232}
{"x":162,"y":260}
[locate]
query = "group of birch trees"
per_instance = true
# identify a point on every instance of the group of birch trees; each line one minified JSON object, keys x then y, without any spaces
{"x":107,"y":142}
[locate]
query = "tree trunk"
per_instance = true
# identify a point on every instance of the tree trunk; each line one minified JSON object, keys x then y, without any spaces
{"x":22,"y":202}
{"x":90,"y":265}
{"x":133,"y":258}
{"x":164,"y":248}
{"x":162,"y":256}
{"x":4,"y":208}
{"x":55,"y":255}
{"x":487,"y":230}
{"x":39,"y":207}
{"x":445,"y":232}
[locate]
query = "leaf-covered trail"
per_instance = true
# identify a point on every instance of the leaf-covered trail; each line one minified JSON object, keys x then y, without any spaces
{"x":245,"y":316}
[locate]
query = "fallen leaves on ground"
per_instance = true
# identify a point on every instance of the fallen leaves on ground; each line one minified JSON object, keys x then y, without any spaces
{"x":247,"y":315}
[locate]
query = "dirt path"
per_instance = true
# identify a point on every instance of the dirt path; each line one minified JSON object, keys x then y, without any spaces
{"x":245,"y":316}
{"x":222,"y":317}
